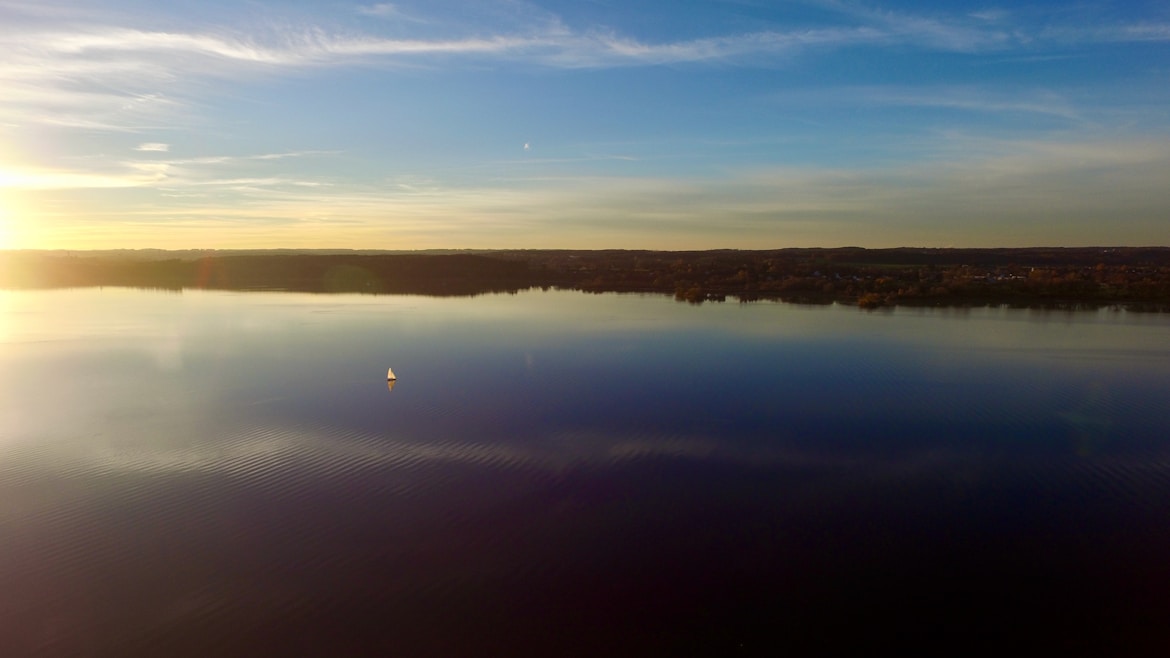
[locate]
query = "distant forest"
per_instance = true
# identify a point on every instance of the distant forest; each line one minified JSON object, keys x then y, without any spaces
{"x":1136,"y":278}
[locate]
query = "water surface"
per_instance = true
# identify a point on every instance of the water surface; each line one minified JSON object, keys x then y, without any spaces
{"x":215,"y":473}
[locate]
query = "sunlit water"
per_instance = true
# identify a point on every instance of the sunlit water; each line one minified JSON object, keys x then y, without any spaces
{"x":219,"y":474}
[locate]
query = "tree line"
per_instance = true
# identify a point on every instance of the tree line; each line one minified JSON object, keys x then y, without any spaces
{"x":1135,"y":277}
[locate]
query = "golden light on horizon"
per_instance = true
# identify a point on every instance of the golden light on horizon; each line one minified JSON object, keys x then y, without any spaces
{"x":15,"y":218}
{"x":9,"y":209}
{"x":7,"y":222}
{"x":17,"y":203}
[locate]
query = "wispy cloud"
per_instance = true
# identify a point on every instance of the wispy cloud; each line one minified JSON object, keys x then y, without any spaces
{"x":967,"y":98}
{"x":989,"y":14}
{"x":388,"y":10}
{"x":1118,"y":33}
{"x":230,"y":159}
{"x":549,"y":43}
{"x":978,"y":32}
{"x":382,"y":9}
{"x":122,"y":79}
{"x":128,"y":40}
{"x":113,"y":77}
{"x":171,"y":174}
{"x":255,"y":183}
{"x":978,"y":193}
{"x":611,"y":49}
{"x":32,"y":178}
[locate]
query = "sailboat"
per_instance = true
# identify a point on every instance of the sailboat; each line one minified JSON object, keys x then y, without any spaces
{"x":390,"y":375}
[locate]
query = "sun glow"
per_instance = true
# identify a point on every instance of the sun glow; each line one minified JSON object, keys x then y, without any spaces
{"x":6,"y":241}
{"x":8,"y":209}
{"x":8,"y":220}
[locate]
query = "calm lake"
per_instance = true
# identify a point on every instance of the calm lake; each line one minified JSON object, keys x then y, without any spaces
{"x":555,"y":473}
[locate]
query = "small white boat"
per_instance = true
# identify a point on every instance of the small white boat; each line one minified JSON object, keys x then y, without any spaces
{"x":390,"y":375}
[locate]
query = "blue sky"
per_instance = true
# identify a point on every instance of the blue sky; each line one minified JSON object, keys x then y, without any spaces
{"x":586,"y":124}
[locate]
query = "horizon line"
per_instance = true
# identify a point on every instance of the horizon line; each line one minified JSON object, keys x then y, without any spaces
{"x":596,"y":249}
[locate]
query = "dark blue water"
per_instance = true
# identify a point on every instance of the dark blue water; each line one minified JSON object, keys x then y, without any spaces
{"x":229,"y":474}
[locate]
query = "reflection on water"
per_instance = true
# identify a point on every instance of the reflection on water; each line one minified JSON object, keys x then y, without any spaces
{"x":567,"y":474}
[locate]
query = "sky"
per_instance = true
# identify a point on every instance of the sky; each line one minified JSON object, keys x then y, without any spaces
{"x":583,"y":124}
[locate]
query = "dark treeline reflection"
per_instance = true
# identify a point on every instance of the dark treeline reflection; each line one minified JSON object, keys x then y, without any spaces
{"x":1137,"y":278}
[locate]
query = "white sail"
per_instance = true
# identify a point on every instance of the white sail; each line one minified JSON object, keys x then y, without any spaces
{"x":390,"y":374}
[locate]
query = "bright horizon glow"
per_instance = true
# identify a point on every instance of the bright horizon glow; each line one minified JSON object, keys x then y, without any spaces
{"x":549,"y":124}
{"x":8,"y":218}
{"x":6,"y":238}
